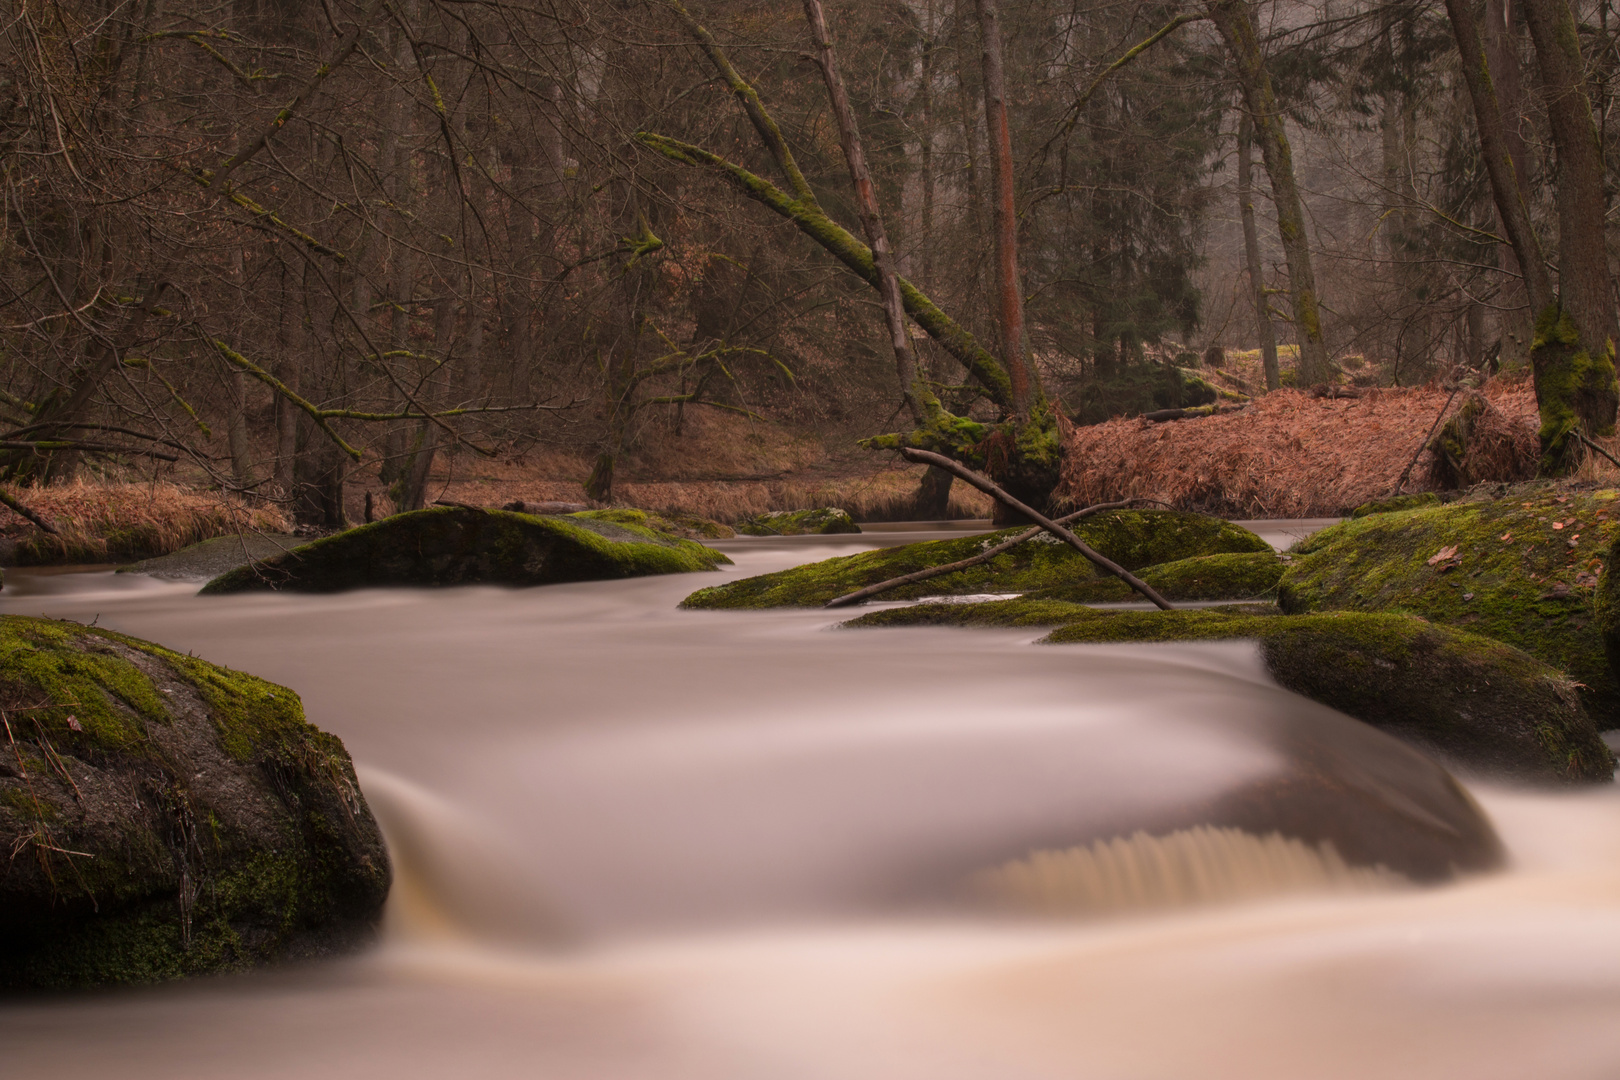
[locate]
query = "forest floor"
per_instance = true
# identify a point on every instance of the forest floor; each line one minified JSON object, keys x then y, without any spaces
{"x":1289,"y":454}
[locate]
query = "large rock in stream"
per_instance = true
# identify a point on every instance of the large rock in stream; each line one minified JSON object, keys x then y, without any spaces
{"x":168,"y":817}
{"x":1521,"y":568}
{"x":1132,"y":538}
{"x":1475,"y":703}
{"x":454,"y":545}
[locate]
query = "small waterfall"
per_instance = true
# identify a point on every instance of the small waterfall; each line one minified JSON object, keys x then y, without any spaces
{"x":1200,"y":865}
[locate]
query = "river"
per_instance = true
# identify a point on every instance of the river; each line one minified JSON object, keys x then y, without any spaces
{"x":636,"y":842}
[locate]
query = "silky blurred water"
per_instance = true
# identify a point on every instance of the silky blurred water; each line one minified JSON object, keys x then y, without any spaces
{"x":633,"y":841}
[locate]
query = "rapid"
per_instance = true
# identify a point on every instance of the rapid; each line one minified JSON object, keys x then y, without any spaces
{"x":631,"y":841}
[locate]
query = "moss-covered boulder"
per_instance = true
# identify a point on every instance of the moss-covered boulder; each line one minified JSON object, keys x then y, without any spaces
{"x":1521,"y":569}
{"x":683,"y":525}
{"x":1470,"y":700}
{"x":168,"y":817}
{"x":799,"y":523}
{"x":1395,"y":504}
{"x":1132,"y":538}
{"x":455,"y":545}
{"x":1238,"y":575}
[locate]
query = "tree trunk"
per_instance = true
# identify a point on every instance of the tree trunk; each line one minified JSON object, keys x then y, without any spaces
{"x":913,"y":392}
{"x":1251,"y":251}
{"x":1501,"y":33}
{"x":1583,"y":267}
{"x":1235,"y":23}
{"x":409,"y":489}
{"x":934,"y":495}
{"x":319,"y":473}
{"x":1009,"y":288}
{"x":1574,"y":386}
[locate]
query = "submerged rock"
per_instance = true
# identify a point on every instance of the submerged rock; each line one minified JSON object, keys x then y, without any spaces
{"x":1472,"y":701}
{"x":214,"y":557}
{"x":683,"y":525}
{"x":1132,"y":538}
{"x":1521,"y":569}
{"x":798,"y":523}
{"x":168,"y":817}
{"x":455,"y":545}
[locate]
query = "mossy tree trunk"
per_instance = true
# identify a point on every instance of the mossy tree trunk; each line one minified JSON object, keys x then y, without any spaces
{"x":1028,"y":441}
{"x":1574,"y":346}
{"x":1235,"y":22}
{"x":1251,"y":252}
{"x":1574,"y":373}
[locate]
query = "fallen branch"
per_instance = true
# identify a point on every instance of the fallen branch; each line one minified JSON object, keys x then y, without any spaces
{"x":1424,"y":445}
{"x":1594,"y":445}
{"x":89,"y":448}
{"x":962,"y":564}
{"x":23,"y":511}
{"x":993,"y":490}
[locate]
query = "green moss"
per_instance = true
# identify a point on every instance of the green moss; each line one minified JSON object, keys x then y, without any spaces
{"x":1020,"y":612}
{"x":1395,"y":504}
{"x":683,"y":525}
{"x":1509,"y":575}
{"x":462,"y":546}
{"x":1565,"y":374}
{"x":176,"y":817}
{"x":826,"y":521}
{"x":1132,"y":538}
{"x":48,"y":662}
{"x":1245,"y":575}
{"x":1478,"y":702}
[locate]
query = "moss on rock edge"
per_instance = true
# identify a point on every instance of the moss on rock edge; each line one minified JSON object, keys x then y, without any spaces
{"x":1522,"y":570}
{"x":1132,"y":538}
{"x":453,"y":545}
{"x":170,"y":817}
{"x":1473,"y":701}
{"x":687,"y":526}
{"x":824,"y":522}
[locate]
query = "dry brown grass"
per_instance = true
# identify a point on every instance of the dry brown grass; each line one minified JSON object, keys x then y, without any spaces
{"x":873,"y":496}
{"x":723,"y":467}
{"x":1287,"y":455}
{"x":102,"y":522}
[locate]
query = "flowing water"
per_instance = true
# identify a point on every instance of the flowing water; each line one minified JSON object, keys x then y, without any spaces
{"x":636,"y":842}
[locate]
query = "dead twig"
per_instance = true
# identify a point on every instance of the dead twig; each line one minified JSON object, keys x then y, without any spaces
{"x":963,"y":564}
{"x":1579,"y":435}
{"x":994,"y":490}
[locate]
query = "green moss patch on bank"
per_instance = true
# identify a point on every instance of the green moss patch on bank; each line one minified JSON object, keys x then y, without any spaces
{"x":168,"y":817}
{"x":455,"y":545}
{"x":1132,"y":538}
{"x":1521,"y":569}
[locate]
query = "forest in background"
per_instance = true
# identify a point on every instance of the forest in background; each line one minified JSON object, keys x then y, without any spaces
{"x":285,"y":245}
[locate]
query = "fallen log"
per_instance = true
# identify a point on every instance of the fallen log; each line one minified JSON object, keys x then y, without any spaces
{"x":994,"y":490}
{"x":520,"y":507}
{"x":962,"y":564}
{"x":1159,"y":416}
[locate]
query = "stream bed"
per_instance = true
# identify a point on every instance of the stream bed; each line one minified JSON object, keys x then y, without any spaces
{"x":637,"y":842}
